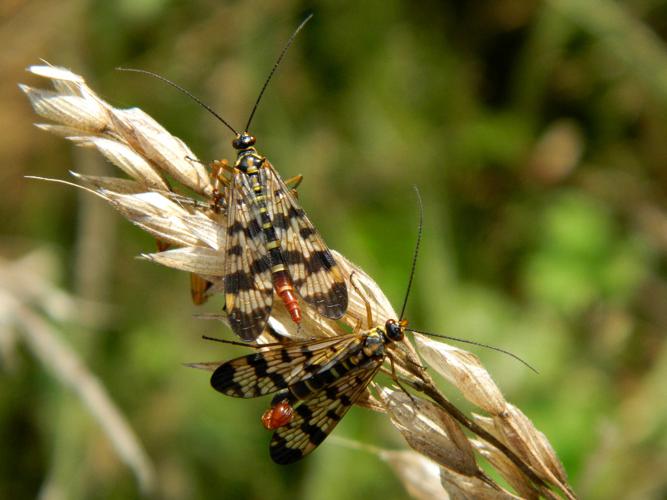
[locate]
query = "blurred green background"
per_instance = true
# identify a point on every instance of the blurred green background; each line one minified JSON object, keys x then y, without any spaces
{"x":537,"y":133}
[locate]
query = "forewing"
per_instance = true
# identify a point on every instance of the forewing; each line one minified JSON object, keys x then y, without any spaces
{"x":315,"y":274}
{"x":317,"y":416}
{"x":275,"y":368}
{"x":248,"y":284}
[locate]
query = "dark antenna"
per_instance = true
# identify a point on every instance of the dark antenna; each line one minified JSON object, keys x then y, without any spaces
{"x":456,"y":339}
{"x":416,"y":254}
{"x":242,"y":344}
{"x":407,"y":294}
{"x":186,"y":92}
{"x":275,"y":67}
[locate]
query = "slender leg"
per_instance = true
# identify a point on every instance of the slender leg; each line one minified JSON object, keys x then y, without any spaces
{"x":357,"y":327}
{"x":294,"y":182}
{"x":219,"y":181}
{"x":414,"y":363}
{"x":198,"y":288}
{"x":369,"y":313}
{"x":223,"y":165}
{"x":394,"y":376}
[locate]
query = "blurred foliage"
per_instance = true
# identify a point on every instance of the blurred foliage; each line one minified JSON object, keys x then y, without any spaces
{"x":536,"y":133}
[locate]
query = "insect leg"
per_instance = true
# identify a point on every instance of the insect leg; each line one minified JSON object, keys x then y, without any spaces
{"x":198,"y":288}
{"x":294,"y":182}
{"x":394,"y":376}
{"x":369,"y":313}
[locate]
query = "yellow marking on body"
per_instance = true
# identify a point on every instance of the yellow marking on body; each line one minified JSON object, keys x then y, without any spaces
{"x":273,"y":244}
{"x":267,"y":225}
{"x":262,"y":210}
{"x":277,"y":268}
{"x":251,"y":170}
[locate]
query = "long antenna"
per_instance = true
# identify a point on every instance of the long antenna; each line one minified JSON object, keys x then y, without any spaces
{"x":480,"y":344}
{"x":242,"y":344}
{"x":416,"y":254}
{"x":186,"y":92}
{"x":275,"y":67}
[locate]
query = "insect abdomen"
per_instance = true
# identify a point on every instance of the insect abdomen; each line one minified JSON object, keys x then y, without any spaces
{"x":305,"y":388}
{"x":279,"y":415}
{"x":285,"y":290}
{"x":282,"y":282}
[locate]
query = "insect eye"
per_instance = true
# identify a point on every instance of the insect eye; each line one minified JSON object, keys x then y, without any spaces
{"x":244,"y":141}
{"x":394,"y":331}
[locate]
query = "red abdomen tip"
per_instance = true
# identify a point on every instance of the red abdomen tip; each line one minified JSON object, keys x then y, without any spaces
{"x":285,"y":291}
{"x":278,"y":415}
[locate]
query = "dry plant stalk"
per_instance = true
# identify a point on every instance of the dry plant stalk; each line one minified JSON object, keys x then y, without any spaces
{"x":431,"y":425}
{"x":30,"y":306}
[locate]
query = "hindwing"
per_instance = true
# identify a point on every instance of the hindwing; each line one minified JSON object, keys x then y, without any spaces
{"x":314,"y":272}
{"x":314,"y":418}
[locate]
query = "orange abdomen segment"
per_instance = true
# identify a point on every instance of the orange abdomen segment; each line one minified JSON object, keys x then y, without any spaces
{"x":198,"y":288}
{"x":285,"y":290}
{"x":278,"y":415}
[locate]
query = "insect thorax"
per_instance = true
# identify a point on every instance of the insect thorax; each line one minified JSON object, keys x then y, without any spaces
{"x":374,"y":343}
{"x":248,"y":161}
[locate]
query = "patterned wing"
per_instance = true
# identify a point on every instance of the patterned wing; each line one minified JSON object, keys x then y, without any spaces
{"x":248,"y":284}
{"x":316,"y":417}
{"x":277,"y":367}
{"x":314,"y":272}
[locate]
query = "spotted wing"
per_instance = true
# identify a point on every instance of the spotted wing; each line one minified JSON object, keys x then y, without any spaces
{"x":248,"y":284}
{"x":317,"y":416}
{"x":276,"y":368}
{"x":314,"y":272}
